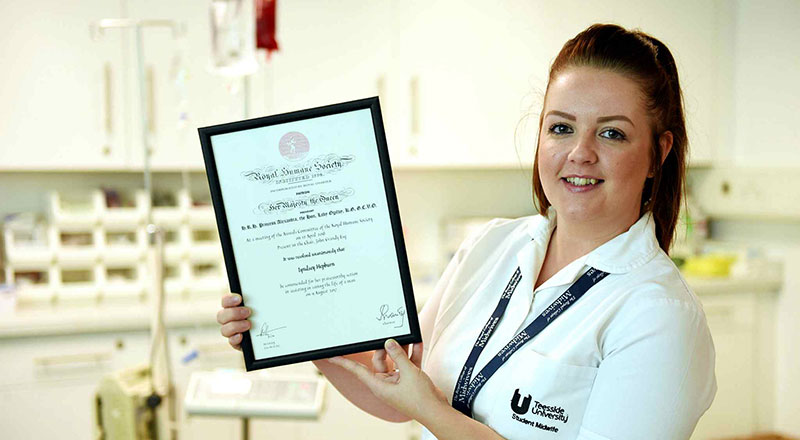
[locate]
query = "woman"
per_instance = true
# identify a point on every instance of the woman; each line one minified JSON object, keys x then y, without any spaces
{"x":630,"y":359}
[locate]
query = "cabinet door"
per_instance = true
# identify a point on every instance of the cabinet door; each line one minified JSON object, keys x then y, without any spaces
{"x":53,"y":379}
{"x":763,"y":127}
{"x":732,"y":321}
{"x":467,"y":71}
{"x":62,"y":91}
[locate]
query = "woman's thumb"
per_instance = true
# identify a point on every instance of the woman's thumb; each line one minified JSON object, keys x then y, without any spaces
{"x":398,"y":355}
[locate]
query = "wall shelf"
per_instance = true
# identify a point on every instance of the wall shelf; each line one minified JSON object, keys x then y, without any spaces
{"x":94,"y":254}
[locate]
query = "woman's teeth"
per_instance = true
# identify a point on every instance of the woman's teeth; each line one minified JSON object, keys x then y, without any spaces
{"x":580,"y":181}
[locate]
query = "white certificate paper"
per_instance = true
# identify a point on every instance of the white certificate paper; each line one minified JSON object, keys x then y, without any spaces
{"x":309,"y":220}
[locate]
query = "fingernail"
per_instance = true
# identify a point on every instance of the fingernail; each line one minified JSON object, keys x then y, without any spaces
{"x":391,"y":344}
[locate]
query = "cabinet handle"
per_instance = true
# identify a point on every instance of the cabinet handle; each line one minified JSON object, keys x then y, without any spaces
{"x":70,"y":359}
{"x":107,"y":102}
{"x":108,"y":105}
{"x":151,"y":99}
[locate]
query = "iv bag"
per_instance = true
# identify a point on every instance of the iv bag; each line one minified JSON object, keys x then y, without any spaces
{"x":232,"y":37}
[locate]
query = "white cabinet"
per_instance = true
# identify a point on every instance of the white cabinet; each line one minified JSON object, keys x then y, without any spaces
{"x":763,"y":127}
{"x":58,"y":376}
{"x":71,"y":101}
{"x":62,"y":92}
{"x":464,"y":71}
{"x":455,"y":78}
{"x":441,"y":69}
{"x":742,"y":327}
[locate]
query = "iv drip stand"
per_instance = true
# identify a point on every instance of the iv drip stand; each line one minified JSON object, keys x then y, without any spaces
{"x":160,"y":378}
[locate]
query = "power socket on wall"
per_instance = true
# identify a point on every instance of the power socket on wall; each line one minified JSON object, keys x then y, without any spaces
{"x":748,"y":193}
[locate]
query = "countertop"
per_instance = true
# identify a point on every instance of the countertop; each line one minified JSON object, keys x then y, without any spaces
{"x":97,"y":319}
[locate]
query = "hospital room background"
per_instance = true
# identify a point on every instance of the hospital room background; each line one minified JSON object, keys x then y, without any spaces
{"x":101,"y":101}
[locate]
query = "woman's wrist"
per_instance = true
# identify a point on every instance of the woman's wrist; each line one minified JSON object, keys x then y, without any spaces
{"x":441,"y":419}
{"x":446,"y":422}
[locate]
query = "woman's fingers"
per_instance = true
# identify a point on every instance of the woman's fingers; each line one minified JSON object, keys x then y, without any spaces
{"x":231,"y":328}
{"x":416,"y":354}
{"x":382,"y":363}
{"x":233,"y":319}
{"x":398,"y":355}
{"x":379,"y":364}
{"x":361,"y":371}
{"x":231,"y":314}
{"x":231,"y":300}
{"x":236,"y":341}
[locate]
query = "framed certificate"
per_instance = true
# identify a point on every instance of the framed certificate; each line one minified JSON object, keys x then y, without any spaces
{"x":310,"y":232}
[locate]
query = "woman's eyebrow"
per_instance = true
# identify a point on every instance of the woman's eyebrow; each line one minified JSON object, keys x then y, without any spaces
{"x":562,"y":114}
{"x":615,"y":117}
{"x":600,"y":119}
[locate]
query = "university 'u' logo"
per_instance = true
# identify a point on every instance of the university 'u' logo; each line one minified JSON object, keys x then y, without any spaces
{"x":515,"y":405}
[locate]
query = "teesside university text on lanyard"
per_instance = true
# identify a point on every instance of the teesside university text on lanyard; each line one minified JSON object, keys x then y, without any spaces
{"x":465,"y":391}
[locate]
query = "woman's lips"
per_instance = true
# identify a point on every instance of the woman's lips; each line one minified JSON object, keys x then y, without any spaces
{"x":580,"y":188}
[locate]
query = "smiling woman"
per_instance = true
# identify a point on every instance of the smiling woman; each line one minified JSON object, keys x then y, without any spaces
{"x":573,"y":323}
{"x":628,"y":82}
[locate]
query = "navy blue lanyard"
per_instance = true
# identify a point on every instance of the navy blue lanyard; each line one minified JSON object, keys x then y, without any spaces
{"x":465,"y":391}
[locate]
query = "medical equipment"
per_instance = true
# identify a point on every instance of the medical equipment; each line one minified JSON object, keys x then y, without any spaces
{"x":260,"y":394}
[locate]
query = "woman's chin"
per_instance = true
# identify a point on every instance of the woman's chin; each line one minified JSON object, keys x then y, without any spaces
{"x":578,"y":212}
{"x":578,"y":216}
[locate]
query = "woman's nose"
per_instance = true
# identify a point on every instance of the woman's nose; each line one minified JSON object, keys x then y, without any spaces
{"x":583,"y":151}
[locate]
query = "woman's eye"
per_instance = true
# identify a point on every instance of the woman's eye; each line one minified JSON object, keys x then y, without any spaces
{"x":560,"y":129}
{"x":614,"y":135}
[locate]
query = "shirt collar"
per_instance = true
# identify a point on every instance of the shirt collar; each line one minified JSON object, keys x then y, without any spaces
{"x":621,"y":254}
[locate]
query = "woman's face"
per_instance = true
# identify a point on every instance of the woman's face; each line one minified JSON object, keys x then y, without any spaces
{"x":594,"y":147}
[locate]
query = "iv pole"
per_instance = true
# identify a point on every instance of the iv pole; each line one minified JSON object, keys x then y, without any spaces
{"x":160,"y":372}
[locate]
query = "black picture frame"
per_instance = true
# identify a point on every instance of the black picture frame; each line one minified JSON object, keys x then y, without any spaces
{"x":372,"y":103}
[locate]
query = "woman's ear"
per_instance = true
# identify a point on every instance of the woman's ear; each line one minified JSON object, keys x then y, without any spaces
{"x":664,"y":147}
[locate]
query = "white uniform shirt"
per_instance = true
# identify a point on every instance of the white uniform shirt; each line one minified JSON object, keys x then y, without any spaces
{"x":632,"y":359}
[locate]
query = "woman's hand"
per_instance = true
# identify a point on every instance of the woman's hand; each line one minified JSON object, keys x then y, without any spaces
{"x":407,"y":389}
{"x":233,"y":319}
